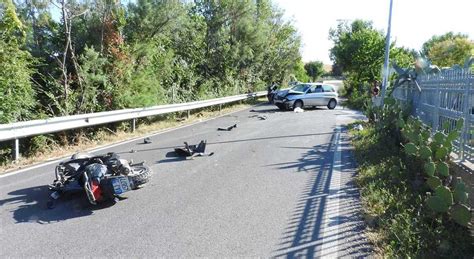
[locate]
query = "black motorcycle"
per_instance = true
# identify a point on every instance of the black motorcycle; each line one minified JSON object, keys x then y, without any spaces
{"x":271,"y":91}
{"x":102,"y":178}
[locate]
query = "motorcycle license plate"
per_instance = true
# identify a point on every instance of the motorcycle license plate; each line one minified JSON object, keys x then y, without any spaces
{"x":120,"y":184}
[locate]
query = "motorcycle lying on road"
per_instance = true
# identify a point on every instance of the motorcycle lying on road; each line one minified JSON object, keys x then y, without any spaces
{"x":103,"y":178}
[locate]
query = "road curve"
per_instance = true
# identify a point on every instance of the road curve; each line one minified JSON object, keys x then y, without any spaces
{"x":279,"y":187}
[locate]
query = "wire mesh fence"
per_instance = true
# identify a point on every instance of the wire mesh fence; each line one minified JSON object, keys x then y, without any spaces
{"x":444,"y":98}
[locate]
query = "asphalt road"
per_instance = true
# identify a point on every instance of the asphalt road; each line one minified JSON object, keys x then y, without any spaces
{"x":280,"y":187}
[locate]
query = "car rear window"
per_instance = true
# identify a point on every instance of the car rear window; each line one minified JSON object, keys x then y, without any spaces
{"x":328,"y":88}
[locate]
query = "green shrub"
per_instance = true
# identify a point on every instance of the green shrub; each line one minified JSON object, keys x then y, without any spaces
{"x":398,"y":162}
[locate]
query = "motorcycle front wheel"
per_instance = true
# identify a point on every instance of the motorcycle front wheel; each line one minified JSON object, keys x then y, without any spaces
{"x":139,"y":175}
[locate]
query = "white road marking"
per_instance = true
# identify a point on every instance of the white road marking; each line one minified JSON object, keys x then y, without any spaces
{"x":331,"y":221}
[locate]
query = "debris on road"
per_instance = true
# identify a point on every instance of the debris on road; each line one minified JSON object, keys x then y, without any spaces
{"x":193,"y":150}
{"x":228,"y":128}
{"x":147,"y":140}
{"x":298,"y":110}
{"x":261,"y":117}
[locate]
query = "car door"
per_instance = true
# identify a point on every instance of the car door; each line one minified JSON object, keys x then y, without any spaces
{"x":329,"y":93}
{"x":318,"y":98}
{"x":310,"y":95}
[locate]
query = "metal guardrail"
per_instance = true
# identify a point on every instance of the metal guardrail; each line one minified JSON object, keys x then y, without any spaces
{"x":17,"y":130}
{"x":444,"y":97}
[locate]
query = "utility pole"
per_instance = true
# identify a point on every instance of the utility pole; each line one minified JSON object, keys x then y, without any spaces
{"x":387,"y":54}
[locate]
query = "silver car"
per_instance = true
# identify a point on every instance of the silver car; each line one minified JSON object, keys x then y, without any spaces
{"x":307,"y":95}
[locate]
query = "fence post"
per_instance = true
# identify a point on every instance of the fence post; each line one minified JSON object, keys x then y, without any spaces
{"x":437,"y":103}
{"x":16,"y":150}
{"x":467,"y":116}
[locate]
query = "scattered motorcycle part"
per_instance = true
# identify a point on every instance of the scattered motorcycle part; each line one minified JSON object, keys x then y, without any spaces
{"x":298,"y":110}
{"x":192,"y":150}
{"x":228,"y":128}
{"x":260,"y":117}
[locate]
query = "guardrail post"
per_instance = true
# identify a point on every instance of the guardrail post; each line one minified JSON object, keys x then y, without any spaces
{"x":188,"y":114}
{"x":16,"y":149}
{"x":220,"y":108}
{"x":134,"y":122}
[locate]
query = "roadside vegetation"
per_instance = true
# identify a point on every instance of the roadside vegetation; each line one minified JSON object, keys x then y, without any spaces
{"x":61,"y":58}
{"x":413,"y":203}
{"x":358,"y":55}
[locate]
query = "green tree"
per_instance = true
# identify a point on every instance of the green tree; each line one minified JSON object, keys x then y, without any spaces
{"x":358,"y":48}
{"x":314,"y":69}
{"x":359,"y":51}
{"x":299,"y":72}
{"x":448,"y":49}
{"x":16,"y":92}
{"x":425,"y":48}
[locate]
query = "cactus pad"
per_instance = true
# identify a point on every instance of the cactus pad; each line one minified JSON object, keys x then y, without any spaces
{"x":442,"y":169}
{"x":461,"y":214}
{"x":410,"y":149}
{"x":430,"y":168}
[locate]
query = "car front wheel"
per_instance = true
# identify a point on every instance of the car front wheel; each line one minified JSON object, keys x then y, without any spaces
{"x":298,"y":104}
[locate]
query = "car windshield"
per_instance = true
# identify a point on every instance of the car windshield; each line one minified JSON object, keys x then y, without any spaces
{"x":300,"y":88}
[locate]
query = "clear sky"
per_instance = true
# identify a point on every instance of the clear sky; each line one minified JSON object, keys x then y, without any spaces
{"x":413,"y":21}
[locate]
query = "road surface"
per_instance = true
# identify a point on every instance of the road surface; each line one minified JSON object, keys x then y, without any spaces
{"x":280,"y":187}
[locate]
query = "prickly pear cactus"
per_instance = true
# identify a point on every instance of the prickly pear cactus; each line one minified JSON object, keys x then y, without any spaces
{"x":461,"y":214}
{"x":411,"y":149}
{"x":433,"y":182}
{"x":437,"y":204}
{"x":443,"y":169}
{"x":425,"y":152}
{"x":430,"y":168}
{"x":445,"y":194}
{"x":460,"y":191}
{"x":433,"y":153}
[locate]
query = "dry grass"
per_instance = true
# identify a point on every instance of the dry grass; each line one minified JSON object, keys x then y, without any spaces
{"x":107,"y":137}
{"x":374,"y":237}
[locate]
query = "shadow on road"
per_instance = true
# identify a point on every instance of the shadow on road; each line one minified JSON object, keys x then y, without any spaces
{"x":269,"y":110}
{"x":326,"y":221}
{"x":30,"y":206}
{"x":171,"y":157}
